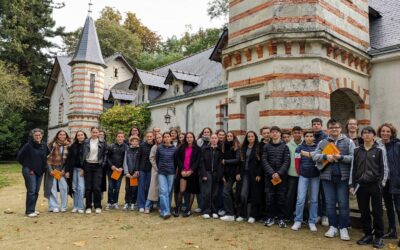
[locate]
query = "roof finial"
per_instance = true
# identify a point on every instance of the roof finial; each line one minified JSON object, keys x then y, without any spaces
{"x":90,"y":8}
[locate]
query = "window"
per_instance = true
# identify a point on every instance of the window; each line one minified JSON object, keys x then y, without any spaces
{"x":225,"y":118}
{"x":176,"y":90}
{"x":116,"y":73}
{"x":143,"y":94}
{"x":92,"y":80}
{"x":61,"y":112}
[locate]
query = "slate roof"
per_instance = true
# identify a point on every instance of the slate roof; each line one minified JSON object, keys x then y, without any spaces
{"x":210,"y":72}
{"x":65,"y":68}
{"x":120,"y":91}
{"x":151,"y":79}
{"x":123,"y":59}
{"x":88,"y":49}
{"x":385,"y":30}
{"x":183,"y":76}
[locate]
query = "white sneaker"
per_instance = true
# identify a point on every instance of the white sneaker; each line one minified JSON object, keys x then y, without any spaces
{"x":56,"y":210}
{"x":132,"y":207}
{"x":332,"y":232}
{"x":296,"y":226}
{"x":215,"y":216}
{"x":98,"y":210}
{"x":251,"y":220}
{"x":115,"y":206}
{"x":221,"y":212}
{"x":197,"y":210}
{"x":108,"y":206}
{"x":206,"y":216}
{"x":228,"y":218}
{"x":63,"y":210}
{"x":31,"y":215}
{"x":74,"y":210}
{"x":344,"y":234}
{"x":239,"y":219}
{"x":88,"y":211}
{"x":141,"y":210}
{"x":313,"y":227}
{"x":325,"y":221}
{"x":81,"y":211}
{"x":125,"y":207}
{"x":37,"y":212}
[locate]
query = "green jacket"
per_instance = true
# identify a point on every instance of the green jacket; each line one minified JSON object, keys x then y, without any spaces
{"x":292,"y":148}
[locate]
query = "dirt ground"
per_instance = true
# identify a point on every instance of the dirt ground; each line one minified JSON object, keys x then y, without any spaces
{"x":131,"y":230}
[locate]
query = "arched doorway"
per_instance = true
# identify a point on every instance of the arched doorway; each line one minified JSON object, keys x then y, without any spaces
{"x":344,"y":103}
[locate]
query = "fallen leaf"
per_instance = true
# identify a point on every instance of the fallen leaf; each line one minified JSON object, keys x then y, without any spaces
{"x":216,"y":239}
{"x":95,"y":236}
{"x":81,"y":243}
{"x":8,"y":211}
{"x":17,"y":229}
{"x":189,"y":243}
{"x":165,"y":247}
{"x":196,"y":246}
{"x":51,"y":222}
{"x":111,"y":237}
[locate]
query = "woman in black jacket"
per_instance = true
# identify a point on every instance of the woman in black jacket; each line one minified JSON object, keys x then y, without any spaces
{"x":230,"y":164}
{"x":249,"y":174}
{"x":188,"y":158}
{"x":33,"y":158}
{"x":74,"y":172}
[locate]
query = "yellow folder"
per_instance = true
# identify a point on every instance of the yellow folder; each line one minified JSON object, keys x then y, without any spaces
{"x":115,"y":175}
{"x":330,"y":149}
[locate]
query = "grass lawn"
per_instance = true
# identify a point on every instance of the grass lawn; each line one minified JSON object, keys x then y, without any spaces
{"x":7,"y":168}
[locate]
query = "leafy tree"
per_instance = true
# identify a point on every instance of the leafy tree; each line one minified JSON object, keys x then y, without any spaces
{"x":15,"y":92}
{"x":111,"y":14}
{"x":150,"y":61}
{"x":12,"y":129}
{"x":218,"y":8}
{"x":124,"y":117}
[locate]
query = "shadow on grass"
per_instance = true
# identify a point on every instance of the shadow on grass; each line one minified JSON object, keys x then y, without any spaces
{"x":7,"y":168}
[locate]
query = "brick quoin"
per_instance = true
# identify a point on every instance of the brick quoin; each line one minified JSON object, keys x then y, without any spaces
{"x":236,"y":116}
{"x":260,"y":51}
{"x":219,"y":115}
{"x":239,"y":132}
{"x":300,"y":94}
{"x":247,"y":53}
{"x":295,"y":112}
{"x":85,"y":67}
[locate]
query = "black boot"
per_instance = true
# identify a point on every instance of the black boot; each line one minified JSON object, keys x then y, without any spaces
{"x":365,"y":240}
{"x":175,"y":212}
{"x":391,"y":234}
{"x":378,"y":243}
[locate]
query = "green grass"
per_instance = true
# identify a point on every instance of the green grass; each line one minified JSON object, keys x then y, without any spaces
{"x":5,"y":169}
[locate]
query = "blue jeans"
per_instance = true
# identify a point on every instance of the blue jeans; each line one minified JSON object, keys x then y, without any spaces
{"x":32,"y":184}
{"x":78,"y":187}
{"x":63,"y":186}
{"x":144,"y":184}
{"x":302,"y":189}
{"x":337,"y":193}
{"x":113,"y":189}
{"x":165,"y":183}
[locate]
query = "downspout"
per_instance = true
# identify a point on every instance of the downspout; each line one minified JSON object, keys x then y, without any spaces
{"x":187,"y":115}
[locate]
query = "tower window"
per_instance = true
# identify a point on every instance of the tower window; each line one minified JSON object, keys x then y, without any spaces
{"x":92,"y":80}
{"x":115,"y":72}
{"x":60,"y":113}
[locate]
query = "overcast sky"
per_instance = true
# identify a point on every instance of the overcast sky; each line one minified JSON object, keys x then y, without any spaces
{"x":166,"y":17}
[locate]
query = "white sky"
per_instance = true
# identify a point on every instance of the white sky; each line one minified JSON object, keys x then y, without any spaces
{"x":166,"y":17}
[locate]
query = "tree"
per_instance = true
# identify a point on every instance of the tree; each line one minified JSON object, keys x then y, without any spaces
{"x":26,"y":33}
{"x":124,"y":117}
{"x":12,"y":130}
{"x":218,"y":8}
{"x":150,"y":61}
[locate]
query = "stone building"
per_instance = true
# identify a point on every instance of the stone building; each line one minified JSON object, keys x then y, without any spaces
{"x":277,"y":63}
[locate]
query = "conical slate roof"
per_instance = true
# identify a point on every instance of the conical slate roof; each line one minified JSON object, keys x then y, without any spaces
{"x":88,"y":49}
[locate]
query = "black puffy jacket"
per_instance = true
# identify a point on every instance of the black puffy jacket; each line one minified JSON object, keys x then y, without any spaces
{"x":275,"y":159}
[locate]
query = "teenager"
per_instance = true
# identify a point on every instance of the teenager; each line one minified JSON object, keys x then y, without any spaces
{"x":221,"y":143}
{"x":202,"y":141}
{"x":230,"y":164}
{"x":94,"y":151}
{"x":56,"y":161}
{"x":174,"y":136}
{"x":265,"y":133}
{"x":165,"y":160}
{"x":152,"y":197}
{"x":275,"y":161}
{"x":316,"y":125}
{"x":144,"y":170}
{"x":74,"y":171}
{"x":32,"y":157}
{"x":131,"y":171}
{"x":293,"y":177}
{"x":391,"y":192}
{"x":134,"y":131}
{"x":156,"y":130}
{"x":367,"y":177}
{"x":103,"y":137}
{"x":286,"y":136}
{"x":308,"y":182}
{"x":188,"y":158}
{"x":210,"y":174}
{"x":115,"y":160}
{"x":249,"y":176}
{"x":352,"y":131}
{"x":181,"y":138}
{"x":335,"y":179}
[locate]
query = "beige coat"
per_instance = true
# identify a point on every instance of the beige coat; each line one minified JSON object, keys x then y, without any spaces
{"x":153,"y":190}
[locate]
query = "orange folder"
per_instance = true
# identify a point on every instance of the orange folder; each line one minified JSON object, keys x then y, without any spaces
{"x":330,"y":149}
{"x":133,"y":182}
{"x":57,"y":174}
{"x":276,"y":181}
{"x":115,"y":175}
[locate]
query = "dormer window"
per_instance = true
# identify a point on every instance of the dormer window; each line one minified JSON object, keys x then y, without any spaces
{"x":176,"y":89}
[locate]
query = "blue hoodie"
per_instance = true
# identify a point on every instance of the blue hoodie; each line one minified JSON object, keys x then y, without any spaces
{"x":307,"y":165}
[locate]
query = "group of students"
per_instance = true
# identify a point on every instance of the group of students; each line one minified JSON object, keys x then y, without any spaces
{"x":276,"y":175}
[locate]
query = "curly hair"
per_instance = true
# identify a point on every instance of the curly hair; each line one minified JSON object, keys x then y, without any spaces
{"x":392,"y":128}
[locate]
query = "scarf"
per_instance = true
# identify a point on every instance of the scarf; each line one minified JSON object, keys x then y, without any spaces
{"x":57,"y":158}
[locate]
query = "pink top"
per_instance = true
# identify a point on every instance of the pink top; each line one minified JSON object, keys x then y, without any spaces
{"x":188,"y":155}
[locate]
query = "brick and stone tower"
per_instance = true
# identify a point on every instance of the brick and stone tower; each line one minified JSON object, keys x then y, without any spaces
{"x":87,"y":89}
{"x":299,"y":59}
